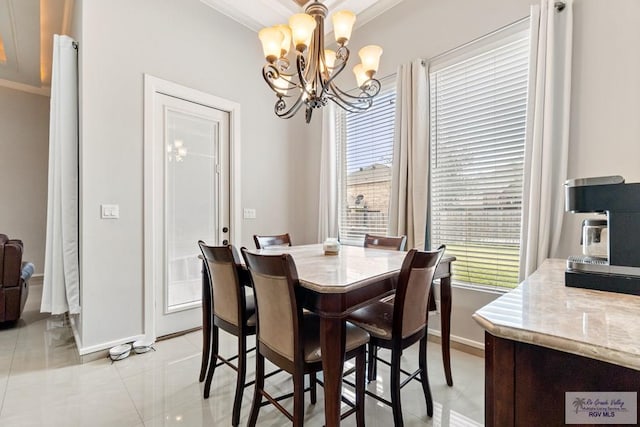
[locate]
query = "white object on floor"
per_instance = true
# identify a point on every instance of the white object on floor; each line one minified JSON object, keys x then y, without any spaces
{"x":142,"y":346}
{"x":120,"y":352}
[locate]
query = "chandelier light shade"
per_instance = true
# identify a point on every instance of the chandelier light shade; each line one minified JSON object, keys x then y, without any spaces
{"x":308,"y":79}
{"x":271,"y":39}
{"x":343,"y":21}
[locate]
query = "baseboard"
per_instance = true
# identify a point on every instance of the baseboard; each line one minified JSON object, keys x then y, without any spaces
{"x":459,"y":343}
{"x":97,"y":351}
{"x":36,"y":280}
{"x":179,"y":334}
{"x":92,"y":357}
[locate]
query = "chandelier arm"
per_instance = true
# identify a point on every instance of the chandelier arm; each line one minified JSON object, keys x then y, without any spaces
{"x":342,"y":54}
{"x":271,"y":74}
{"x":328,"y":85}
{"x":302,"y":67}
{"x":363,"y":105}
{"x":350,"y":107}
{"x":368,"y":91}
{"x":280,"y":108}
{"x":356,"y":104}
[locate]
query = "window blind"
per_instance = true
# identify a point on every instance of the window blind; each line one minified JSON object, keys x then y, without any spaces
{"x":365,"y":151}
{"x":478,"y":115}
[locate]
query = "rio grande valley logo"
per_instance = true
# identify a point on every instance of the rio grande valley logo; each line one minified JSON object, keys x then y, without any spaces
{"x":601,"y":407}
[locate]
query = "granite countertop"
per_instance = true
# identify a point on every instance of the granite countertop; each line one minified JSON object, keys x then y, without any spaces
{"x":542,"y":311}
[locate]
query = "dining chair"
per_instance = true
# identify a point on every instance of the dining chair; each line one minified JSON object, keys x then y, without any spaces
{"x":290,"y":338}
{"x":232,"y":311}
{"x":399,"y":325}
{"x":263,"y":242}
{"x":394,"y":243}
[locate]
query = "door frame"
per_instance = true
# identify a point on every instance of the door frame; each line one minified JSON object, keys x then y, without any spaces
{"x":152,"y":87}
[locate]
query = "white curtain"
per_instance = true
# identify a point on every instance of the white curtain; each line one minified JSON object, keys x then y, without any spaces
{"x":328,"y":191}
{"x":410,"y":170}
{"x":547,"y":133}
{"x":60,"y":291}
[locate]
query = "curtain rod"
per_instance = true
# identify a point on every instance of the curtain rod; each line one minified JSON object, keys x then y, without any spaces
{"x":559,"y":6}
{"x":462,"y":46}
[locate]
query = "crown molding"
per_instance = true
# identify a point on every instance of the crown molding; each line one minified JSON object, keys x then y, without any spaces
{"x":262,"y":13}
{"x":42,"y":91}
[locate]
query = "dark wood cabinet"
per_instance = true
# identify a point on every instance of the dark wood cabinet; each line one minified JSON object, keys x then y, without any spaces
{"x":525,"y":384}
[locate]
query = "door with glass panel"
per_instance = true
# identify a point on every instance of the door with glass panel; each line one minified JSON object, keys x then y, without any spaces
{"x":192,"y":203}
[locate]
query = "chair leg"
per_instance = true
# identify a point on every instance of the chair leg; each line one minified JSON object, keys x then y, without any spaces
{"x":395,"y":388}
{"x":360,"y":374}
{"x":257,"y":391}
{"x":206,"y":323}
{"x":298,"y":399}
{"x":213,"y":359}
{"x":424,"y":376}
{"x":206,"y":351}
{"x":313,"y":383}
{"x":372,"y":365}
{"x":240,"y":380}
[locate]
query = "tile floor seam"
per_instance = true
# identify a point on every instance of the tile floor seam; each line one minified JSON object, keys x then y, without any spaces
{"x":6,"y":384}
{"x":133,"y":402}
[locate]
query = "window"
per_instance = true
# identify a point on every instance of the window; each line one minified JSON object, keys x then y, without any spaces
{"x":478,"y":117}
{"x":364,"y":153}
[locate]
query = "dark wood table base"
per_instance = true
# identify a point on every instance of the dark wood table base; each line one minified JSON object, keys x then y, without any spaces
{"x":333,"y":308}
{"x":443,"y":273}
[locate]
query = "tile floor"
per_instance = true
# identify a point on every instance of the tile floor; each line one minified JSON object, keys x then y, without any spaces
{"x":42,"y":383}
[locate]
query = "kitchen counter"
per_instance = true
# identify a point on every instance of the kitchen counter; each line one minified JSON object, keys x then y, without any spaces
{"x":545,"y":341}
{"x":543,"y":311}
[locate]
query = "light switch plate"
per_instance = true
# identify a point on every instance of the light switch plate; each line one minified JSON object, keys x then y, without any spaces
{"x":249,"y":213}
{"x":110,"y":211}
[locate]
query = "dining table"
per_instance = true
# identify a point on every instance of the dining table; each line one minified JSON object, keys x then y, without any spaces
{"x":333,"y":286}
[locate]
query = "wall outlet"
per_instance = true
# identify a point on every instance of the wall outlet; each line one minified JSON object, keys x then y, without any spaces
{"x":110,"y":211}
{"x":249,"y":213}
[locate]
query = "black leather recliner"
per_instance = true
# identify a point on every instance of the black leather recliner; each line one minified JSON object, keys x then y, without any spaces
{"x":14,"y":279}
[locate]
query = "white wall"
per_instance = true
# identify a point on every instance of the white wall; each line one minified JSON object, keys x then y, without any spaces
{"x":189,"y":43}
{"x":24,"y":154}
{"x":605,"y":99}
{"x":605,"y":130}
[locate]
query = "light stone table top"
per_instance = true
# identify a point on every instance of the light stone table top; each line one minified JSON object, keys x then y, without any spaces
{"x":543,"y":311}
{"x":352,"y":268}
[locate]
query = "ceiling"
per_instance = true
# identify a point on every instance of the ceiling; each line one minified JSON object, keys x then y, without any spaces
{"x":257,"y":14}
{"x":26,"y":34}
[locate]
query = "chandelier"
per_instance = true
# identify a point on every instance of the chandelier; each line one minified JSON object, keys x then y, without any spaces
{"x":309,"y":80}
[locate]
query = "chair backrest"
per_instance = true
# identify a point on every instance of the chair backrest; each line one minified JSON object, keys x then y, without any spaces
{"x":263,"y":242}
{"x":412,"y":291}
{"x":228,"y":294}
{"x":385,"y":242}
{"x":275,"y":279}
{"x":10,"y":261}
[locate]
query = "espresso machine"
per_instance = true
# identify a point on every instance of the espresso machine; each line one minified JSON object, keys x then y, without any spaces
{"x":617,"y":270}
